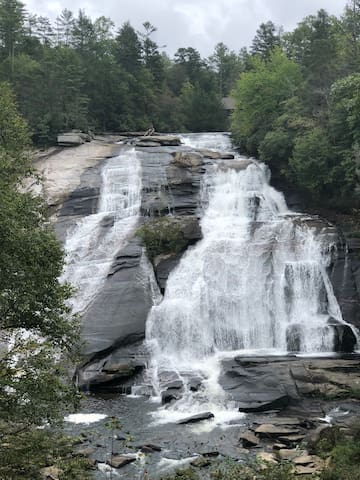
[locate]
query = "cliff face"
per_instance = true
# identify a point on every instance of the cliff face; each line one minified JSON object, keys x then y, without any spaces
{"x":114,"y":321}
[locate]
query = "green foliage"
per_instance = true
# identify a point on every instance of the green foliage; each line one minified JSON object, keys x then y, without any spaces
{"x":25,"y":453}
{"x":231,"y":470}
{"x":162,"y":236}
{"x":35,"y":322}
{"x":312,"y":160}
{"x":345,"y":456}
{"x":260,"y":95}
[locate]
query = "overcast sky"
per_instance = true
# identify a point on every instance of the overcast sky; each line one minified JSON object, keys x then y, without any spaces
{"x":197,"y":23}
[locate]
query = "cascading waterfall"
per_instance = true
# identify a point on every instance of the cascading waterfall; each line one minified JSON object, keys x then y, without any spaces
{"x":92,"y":245}
{"x":256,"y":281}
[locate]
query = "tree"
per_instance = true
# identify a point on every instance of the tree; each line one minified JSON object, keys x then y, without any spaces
{"x":265,"y":41}
{"x":12,"y":18}
{"x":35,"y":388}
{"x":228,"y":67}
{"x":260,"y":95}
{"x":128,"y":49}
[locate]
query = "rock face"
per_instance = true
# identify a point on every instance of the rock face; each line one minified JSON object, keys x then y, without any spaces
{"x":117,"y":316}
{"x":261,"y":384}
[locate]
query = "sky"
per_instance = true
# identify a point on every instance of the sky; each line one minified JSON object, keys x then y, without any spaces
{"x":197,"y":23}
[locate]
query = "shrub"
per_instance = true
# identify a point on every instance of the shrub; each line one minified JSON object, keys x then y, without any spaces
{"x":162,"y":236}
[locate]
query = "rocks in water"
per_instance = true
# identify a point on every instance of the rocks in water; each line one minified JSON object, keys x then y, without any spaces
{"x":160,"y":140}
{"x":273,"y":403}
{"x":237,"y":165}
{"x":270,"y":430}
{"x":196,"y":418}
{"x":345,"y":339}
{"x":249,"y":439}
{"x":146,"y":144}
{"x":116,"y":372}
{"x":188,"y":159}
{"x":211,"y":154}
{"x":149,"y":448}
{"x":120,"y":461}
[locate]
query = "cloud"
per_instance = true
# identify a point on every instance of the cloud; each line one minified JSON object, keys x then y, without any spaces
{"x":197,"y":23}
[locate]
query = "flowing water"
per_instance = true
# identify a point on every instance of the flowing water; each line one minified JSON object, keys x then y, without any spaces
{"x":92,"y":245}
{"x":257,"y":281}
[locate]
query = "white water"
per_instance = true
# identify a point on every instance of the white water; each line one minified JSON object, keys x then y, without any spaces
{"x":92,"y":245}
{"x":257,"y":281}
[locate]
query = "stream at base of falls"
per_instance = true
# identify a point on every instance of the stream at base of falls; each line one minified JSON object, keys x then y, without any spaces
{"x":256,"y":285}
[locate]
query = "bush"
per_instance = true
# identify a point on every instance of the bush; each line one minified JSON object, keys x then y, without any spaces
{"x":162,"y":236}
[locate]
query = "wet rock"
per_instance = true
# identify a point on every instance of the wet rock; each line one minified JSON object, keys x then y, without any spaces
{"x":249,"y":439}
{"x":259,"y":406}
{"x":120,"y":461}
{"x":170,"y":395}
{"x":188,"y":159}
{"x":117,"y":316}
{"x":227,"y":156}
{"x":201,"y":462}
{"x":163,"y":265}
{"x":237,"y":165}
{"x":149,"y":448}
{"x":146,"y":144}
{"x":195,"y":383}
{"x":212,"y":154}
{"x":345,"y":339}
{"x":196,"y":418}
{"x":163,"y":140}
{"x":269,"y":430}
{"x":306,"y":470}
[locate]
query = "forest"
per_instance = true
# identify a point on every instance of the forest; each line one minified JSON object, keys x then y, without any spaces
{"x":297,"y":93}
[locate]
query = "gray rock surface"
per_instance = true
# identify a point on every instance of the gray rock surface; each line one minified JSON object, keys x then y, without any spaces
{"x":117,"y":315}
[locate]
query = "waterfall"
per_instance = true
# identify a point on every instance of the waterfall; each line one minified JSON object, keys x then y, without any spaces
{"x":257,"y":281}
{"x":94,"y":241}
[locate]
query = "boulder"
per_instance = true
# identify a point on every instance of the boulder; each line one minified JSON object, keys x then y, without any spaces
{"x":212,"y":154}
{"x":266,"y":457}
{"x":200,"y":462}
{"x":120,"y":461}
{"x":70,"y":139}
{"x":196,"y":418}
{"x":270,"y":430}
{"x":249,"y":439}
{"x":146,"y":144}
{"x":188,"y":159}
{"x":163,"y":140}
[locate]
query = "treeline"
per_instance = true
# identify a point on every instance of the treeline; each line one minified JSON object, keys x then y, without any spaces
{"x":298,"y":105}
{"x":79,"y":73}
